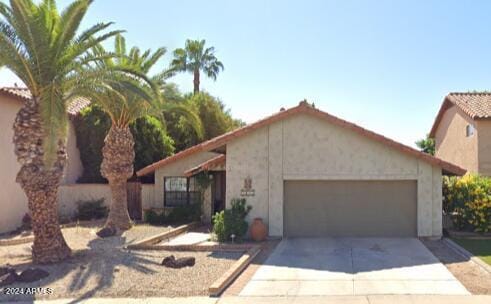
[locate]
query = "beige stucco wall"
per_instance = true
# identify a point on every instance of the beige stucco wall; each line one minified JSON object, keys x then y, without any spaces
{"x":176,"y":168}
{"x":69,"y":195}
{"x":307,"y":148}
{"x":452,"y":144}
{"x":12,"y":199}
{"x":484,"y":146}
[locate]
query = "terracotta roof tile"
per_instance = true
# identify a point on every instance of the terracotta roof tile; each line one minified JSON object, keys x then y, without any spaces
{"x":475,"y":105}
{"x":75,"y":106}
{"x":303,"y":107}
{"x":207,"y":165}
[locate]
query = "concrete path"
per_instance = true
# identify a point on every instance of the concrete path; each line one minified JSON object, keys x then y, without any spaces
{"x":352,"y":266}
{"x":399,"y":299}
{"x":189,"y":238}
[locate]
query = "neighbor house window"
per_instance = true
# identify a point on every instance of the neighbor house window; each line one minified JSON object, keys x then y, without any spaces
{"x":469,"y":130}
{"x":180,"y":191}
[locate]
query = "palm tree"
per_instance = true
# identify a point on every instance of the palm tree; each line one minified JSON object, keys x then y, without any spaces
{"x":41,"y":46}
{"x":194,"y":58}
{"x":124,"y":106}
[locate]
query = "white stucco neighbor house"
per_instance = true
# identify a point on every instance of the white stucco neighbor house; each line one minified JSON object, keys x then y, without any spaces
{"x":308,"y":173}
{"x":13,"y":201}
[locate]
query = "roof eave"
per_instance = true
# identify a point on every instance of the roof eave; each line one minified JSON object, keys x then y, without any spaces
{"x":303,"y":108}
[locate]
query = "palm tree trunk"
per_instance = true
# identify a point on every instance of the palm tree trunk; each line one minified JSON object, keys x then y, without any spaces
{"x":40,"y":184}
{"x":196,"y":81}
{"x":117,"y":167}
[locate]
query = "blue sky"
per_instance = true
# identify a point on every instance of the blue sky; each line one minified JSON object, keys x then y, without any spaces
{"x":385,"y":65}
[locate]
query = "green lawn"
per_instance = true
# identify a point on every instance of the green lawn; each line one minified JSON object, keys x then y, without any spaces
{"x":480,"y":248}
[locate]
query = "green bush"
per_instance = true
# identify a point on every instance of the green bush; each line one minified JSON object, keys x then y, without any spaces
{"x":153,"y":218}
{"x":178,"y":215}
{"x":91,"y":210}
{"x":231,"y":221}
{"x":468,"y":201}
{"x":184,"y":214}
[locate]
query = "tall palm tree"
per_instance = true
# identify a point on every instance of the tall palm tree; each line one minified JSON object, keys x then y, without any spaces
{"x":41,"y":46}
{"x":124,"y":106}
{"x":194,"y":58}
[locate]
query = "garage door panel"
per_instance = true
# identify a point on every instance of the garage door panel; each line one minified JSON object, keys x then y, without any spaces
{"x":350,"y":208}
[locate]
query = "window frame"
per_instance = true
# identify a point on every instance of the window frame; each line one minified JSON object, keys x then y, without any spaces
{"x":190,"y":181}
{"x":469,"y":130}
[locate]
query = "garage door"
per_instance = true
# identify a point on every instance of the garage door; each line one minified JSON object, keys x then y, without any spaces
{"x":350,"y":208}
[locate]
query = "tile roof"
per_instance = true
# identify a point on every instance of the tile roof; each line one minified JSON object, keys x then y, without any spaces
{"x":74,"y":107}
{"x":475,"y":105}
{"x":303,"y":107}
{"x":207,"y":165}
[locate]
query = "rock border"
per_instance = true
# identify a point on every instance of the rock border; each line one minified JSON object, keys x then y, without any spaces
{"x":233,"y":272}
{"x":149,"y":243}
{"x":466,"y":254}
{"x":29,"y":239}
{"x":18,"y":241}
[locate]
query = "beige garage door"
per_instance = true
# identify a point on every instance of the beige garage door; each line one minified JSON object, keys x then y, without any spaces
{"x":350,"y":208}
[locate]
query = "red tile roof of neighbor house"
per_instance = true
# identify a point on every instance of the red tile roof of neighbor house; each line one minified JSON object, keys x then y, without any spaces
{"x":74,"y":107}
{"x":475,"y":105}
{"x":303,"y":107}
{"x":207,"y":165}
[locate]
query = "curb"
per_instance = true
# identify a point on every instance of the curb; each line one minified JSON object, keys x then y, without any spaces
{"x":233,"y":272}
{"x":149,"y":243}
{"x":468,"y":255}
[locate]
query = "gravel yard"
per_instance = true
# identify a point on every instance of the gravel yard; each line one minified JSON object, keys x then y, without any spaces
{"x":472,"y":276}
{"x":102,"y":268}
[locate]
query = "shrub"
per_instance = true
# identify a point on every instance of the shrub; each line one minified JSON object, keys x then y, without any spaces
{"x":468,"y":200}
{"x":153,"y":218}
{"x":181,"y":214}
{"x":231,"y":221}
{"x":91,"y":210}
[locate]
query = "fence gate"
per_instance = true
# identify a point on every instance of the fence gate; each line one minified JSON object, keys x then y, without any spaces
{"x":134,"y":190}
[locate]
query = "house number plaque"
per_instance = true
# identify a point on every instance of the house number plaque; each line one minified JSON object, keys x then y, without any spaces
{"x":247,"y":190}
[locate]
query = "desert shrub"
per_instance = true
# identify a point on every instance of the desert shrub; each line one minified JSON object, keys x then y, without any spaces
{"x":91,"y":210}
{"x":468,"y":201}
{"x":184,"y":214}
{"x":231,"y":221}
{"x":180,"y":214}
{"x":154,"y":218}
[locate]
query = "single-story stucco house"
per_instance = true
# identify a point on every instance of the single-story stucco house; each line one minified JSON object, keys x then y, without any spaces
{"x":308,"y":173}
{"x":12,"y":199}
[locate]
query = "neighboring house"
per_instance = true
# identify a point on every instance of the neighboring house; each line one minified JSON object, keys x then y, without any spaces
{"x":462,"y":131}
{"x":13,"y":201}
{"x":308,"y":173}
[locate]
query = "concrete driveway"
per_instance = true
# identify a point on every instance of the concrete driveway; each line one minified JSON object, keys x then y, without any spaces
{"x":352,"y":266}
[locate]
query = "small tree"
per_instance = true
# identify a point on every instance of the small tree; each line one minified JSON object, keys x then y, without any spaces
{"x":427,"y":145}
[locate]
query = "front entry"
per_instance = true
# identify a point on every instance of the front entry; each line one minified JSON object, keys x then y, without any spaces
{"x":350,"y":208}
{"x":218,"y":191}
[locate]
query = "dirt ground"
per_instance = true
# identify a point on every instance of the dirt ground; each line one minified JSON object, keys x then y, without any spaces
{"x":471,"y":275}
{"x":103,"y":268}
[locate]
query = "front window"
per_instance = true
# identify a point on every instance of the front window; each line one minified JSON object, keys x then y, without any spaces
{"x":180,"y":191}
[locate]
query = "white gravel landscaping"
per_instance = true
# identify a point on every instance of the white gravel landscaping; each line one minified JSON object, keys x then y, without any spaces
{"x":103,"y":268}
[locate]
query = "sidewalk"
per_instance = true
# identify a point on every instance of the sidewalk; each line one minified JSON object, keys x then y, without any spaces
{"x":409,"y":299}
